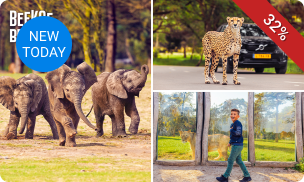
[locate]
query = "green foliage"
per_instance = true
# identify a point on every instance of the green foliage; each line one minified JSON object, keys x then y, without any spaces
{"x":155,"y":53}
{"x":300,"y":167}
{"x":188,"y":20}
{"x":177,"y":112}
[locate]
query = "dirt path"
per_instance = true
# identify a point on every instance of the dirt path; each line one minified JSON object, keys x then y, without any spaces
{"x":209,"y":173}
{"x":135,"y":146}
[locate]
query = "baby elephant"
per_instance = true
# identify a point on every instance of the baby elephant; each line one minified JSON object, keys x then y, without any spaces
{"x":114,"y":93}
{"x":66,"y":90}
{"x":26,"y":98}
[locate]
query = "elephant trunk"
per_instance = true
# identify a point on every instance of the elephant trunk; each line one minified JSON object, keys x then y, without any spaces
{"x":24,"y":119}
{"x":142,"y":80}
{"x":77,"y":103}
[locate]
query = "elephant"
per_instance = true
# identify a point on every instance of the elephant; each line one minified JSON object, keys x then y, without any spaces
{"x":26,"y":98}
{"x":66,"y":90}
{"x":114,"y":93}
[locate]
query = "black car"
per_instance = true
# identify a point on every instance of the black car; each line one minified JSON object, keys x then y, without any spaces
{"x":258,"y":51}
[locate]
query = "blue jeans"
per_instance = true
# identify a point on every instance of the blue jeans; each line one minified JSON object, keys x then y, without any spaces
{"x":235,"y":155}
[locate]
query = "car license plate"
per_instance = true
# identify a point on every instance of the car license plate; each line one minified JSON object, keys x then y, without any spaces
{"x":261,"y":56}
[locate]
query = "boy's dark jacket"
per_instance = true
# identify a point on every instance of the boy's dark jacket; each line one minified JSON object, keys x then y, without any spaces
{"x":236,"y":133}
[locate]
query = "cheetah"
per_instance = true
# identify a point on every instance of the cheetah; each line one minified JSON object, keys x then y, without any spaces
{"x":223,"y":45}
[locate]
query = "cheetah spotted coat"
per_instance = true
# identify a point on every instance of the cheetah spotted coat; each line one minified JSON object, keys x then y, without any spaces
{"x":223,"y":45}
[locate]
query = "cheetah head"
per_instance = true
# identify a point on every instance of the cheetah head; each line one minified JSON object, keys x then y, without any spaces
{"x":235,"y":22}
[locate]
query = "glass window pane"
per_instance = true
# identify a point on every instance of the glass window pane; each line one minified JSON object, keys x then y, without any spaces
{"x":274,"y":126}
{"x":176,"y":126}
{"x":220,"y":121}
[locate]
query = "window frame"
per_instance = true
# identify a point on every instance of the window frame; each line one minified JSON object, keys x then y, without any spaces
{"x":202,"y":127}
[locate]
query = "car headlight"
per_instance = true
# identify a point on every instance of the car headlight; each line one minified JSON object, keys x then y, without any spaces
{"x":244,"y":51}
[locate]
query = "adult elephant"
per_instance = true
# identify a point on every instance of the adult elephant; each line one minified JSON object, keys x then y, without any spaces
{"x":66,"y":90}
{"x":114,"y":93}
{"x":26,"y":98}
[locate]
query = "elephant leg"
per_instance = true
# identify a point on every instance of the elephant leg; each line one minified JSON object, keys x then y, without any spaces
{"x":132,"y":112}
{"x":49,"y":118}
{"x":6,"y":130}
{"x":70,"y":132}
{"x":68,"y":126}
{"x":119,"y":122}
{"x":114,"y":127}
{"x":29,"y":134}
{"x":74,"y":117}
{"x":13,"y":125}
{"x":118,"y":129}
{"x":61,"y":133}
{"x":99,"y":121}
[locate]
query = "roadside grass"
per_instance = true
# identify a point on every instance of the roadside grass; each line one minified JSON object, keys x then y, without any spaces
{"x":172,"y":148}
{"x":292,"y":68}
{"x":81,"y":169}
{"x":177,"y":59}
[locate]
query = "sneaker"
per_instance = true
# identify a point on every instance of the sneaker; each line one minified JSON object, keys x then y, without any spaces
{"x":222,"y":179}
{"x":245,"y":179}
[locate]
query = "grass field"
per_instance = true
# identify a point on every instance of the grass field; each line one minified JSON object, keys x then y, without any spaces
{"x":105,"y":158}
{"x":81,"y":169}
{"x":172,"y":148}
{"x":177,"y":59}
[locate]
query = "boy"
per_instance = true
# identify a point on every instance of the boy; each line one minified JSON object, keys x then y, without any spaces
{"x":236,"y":140}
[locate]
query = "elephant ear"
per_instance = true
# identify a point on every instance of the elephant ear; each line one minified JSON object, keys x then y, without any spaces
{"x":114,"y":84}
{"x":37,"y":92}
{"x":63,"y":71}
{"x":88,"y":73}
{"x":54,"y":82}
{"x":7,"y":86}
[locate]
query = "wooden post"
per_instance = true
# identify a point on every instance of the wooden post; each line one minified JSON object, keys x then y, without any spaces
{"x":299,"y":136}
{"x":199,"y":128}
{"x":251,"y":148}
{"x":207,"y":102}
{"x":155,"y":120}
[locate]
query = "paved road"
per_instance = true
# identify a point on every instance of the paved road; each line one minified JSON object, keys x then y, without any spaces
{"x":192,"y":78}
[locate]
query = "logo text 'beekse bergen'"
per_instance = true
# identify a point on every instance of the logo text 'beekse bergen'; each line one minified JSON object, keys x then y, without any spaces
{"x":44,"y":44}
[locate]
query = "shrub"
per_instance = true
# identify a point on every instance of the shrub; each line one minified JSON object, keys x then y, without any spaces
{"x":300,"y":167}
{"x":155,"y":53}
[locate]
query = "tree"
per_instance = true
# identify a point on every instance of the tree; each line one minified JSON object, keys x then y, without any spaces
{"x":274,"y":100}
{"x":111,"y":38}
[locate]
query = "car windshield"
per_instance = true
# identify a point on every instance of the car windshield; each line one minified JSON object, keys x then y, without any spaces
{"x":250,"y":30}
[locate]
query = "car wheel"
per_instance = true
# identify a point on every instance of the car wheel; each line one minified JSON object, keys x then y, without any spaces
{"x":259,"y":70}
{"x":281,"y":70}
